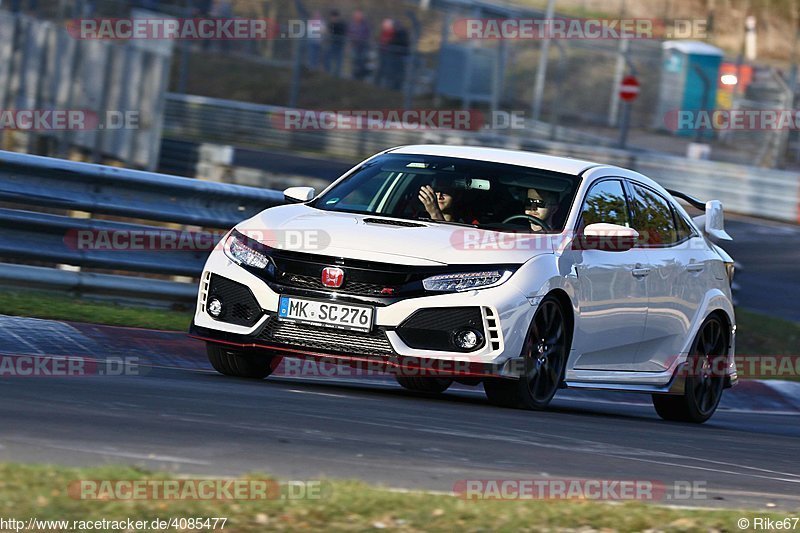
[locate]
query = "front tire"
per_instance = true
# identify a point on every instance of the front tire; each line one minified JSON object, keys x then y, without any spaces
{"x":544,"y":357}
{"x":419,"y":384}
{"x":705,"y":378}
{"x":239,"y":363}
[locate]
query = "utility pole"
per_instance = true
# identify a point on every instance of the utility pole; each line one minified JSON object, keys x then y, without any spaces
{"x":711,"y":12}
{"x":541,"y":73}
{"x":619,"y":72}
{"x":796,"y":28}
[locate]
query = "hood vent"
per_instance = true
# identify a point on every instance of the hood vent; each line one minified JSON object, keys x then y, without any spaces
{"x":388,"y":222}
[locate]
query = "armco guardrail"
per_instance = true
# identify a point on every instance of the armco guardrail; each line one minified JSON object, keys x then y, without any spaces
{"x":743,"y":189}
{"x":747,"y":190}
{"x":56,"y":238}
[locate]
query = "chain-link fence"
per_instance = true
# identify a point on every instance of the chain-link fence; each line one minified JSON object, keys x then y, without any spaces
{"x":388,"y":54}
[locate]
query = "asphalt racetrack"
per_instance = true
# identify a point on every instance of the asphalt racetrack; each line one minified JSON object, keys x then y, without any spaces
{"x":174,"y":413}
{"x":180,"y":416}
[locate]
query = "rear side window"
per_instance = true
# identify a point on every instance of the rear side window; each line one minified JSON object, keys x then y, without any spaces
{"x":685,"y":231}
{"x":605,"y":203}
{"x":652,"y":218}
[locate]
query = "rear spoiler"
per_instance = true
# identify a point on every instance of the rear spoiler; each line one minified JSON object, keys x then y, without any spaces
{"x":713,"y":221}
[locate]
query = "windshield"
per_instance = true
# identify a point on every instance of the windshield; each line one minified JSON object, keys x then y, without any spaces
{"x":459,"y":191}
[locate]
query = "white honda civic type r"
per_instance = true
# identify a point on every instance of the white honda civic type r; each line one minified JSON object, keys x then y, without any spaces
{"x":524,"y":272}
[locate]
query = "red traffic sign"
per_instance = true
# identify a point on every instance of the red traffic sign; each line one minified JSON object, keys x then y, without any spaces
{"x":629,"y":88}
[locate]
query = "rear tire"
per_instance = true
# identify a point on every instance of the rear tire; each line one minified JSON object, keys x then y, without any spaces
{"x":419,"y":384}
{"x":239,"y":363}
{"x":544,"y":356}
{"x":705,"y":378}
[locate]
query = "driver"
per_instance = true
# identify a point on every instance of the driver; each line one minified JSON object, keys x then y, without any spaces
{"x":542,"y":205}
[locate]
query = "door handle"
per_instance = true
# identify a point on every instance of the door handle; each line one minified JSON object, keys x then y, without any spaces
{"x":640,"y":271}
{"x":695,"y":267}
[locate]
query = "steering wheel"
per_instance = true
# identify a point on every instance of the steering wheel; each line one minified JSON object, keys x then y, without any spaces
{"x":538,"y":221}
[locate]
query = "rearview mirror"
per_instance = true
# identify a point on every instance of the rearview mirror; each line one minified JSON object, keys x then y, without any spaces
{"x":606,"y":237}
{"x":299,"y":194}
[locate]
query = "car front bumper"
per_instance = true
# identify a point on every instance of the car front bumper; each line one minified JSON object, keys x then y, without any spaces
{"x":505,"y":315}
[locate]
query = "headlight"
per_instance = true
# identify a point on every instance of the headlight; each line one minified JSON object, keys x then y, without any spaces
{"x":465,"y":281}
{"x":239,"y":252}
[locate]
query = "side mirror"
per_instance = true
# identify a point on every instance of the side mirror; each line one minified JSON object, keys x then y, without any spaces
{"x":606,"y":237}
{"x":299,"y":194}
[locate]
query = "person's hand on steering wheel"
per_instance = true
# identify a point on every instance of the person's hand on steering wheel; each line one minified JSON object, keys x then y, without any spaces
{"x":542,"y":225}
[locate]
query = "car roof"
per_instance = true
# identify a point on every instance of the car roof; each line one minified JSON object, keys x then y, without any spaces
{"x":565,"y":165}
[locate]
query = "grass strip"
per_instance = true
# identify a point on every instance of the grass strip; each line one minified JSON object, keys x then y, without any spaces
{"x":42,"y":491}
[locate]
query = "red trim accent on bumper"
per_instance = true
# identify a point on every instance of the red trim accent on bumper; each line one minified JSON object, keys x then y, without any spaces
{"x":407,"y":366}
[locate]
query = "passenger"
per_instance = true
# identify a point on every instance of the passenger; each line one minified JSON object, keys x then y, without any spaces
{"x":440,"y":201}
{"x":542,"y":205}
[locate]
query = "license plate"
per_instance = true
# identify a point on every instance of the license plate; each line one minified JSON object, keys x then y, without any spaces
{"x":326,"y":313}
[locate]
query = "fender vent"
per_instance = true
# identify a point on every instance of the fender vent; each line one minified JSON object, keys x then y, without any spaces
{"x":204,"y":283}
{"x":492,"y":328}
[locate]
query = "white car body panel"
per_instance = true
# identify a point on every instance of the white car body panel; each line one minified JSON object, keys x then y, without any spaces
{"x":347,"y":235}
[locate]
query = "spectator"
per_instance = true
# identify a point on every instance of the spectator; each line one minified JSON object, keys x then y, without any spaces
{"x":337,"y":35}
{"x":358,"y":35}
{"x":222,"y":9}
{"x":314,"y":41}
{"x":398,"y":55}
{"x":384,"y":52}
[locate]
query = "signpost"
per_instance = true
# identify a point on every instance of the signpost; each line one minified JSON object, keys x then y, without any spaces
{"x":629,"y":88}
{"x":628,"y":91}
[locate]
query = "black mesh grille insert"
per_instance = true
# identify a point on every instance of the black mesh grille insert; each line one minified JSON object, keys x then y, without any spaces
{"x":349,"y":287}
{"x":239,"y":306}
{"x":327,"y":339}
{"x":432,"y":329}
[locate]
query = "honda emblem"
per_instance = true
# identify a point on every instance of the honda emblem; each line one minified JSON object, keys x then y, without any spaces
{"x":332,"y":277}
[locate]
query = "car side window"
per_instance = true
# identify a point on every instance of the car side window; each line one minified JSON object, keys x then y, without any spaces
{"x":685,"y":231}
{"x":605,"y":203}
{"x":652,"y":218}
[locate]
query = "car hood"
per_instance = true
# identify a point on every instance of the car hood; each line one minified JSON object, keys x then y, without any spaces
{"x":301,"y":228}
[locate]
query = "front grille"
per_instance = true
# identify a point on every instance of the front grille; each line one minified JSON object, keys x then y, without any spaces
{"x":327,"y":339}
{"x":239,"y":306}
{"x":361,"y":278}
{"x":356,"y":288}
